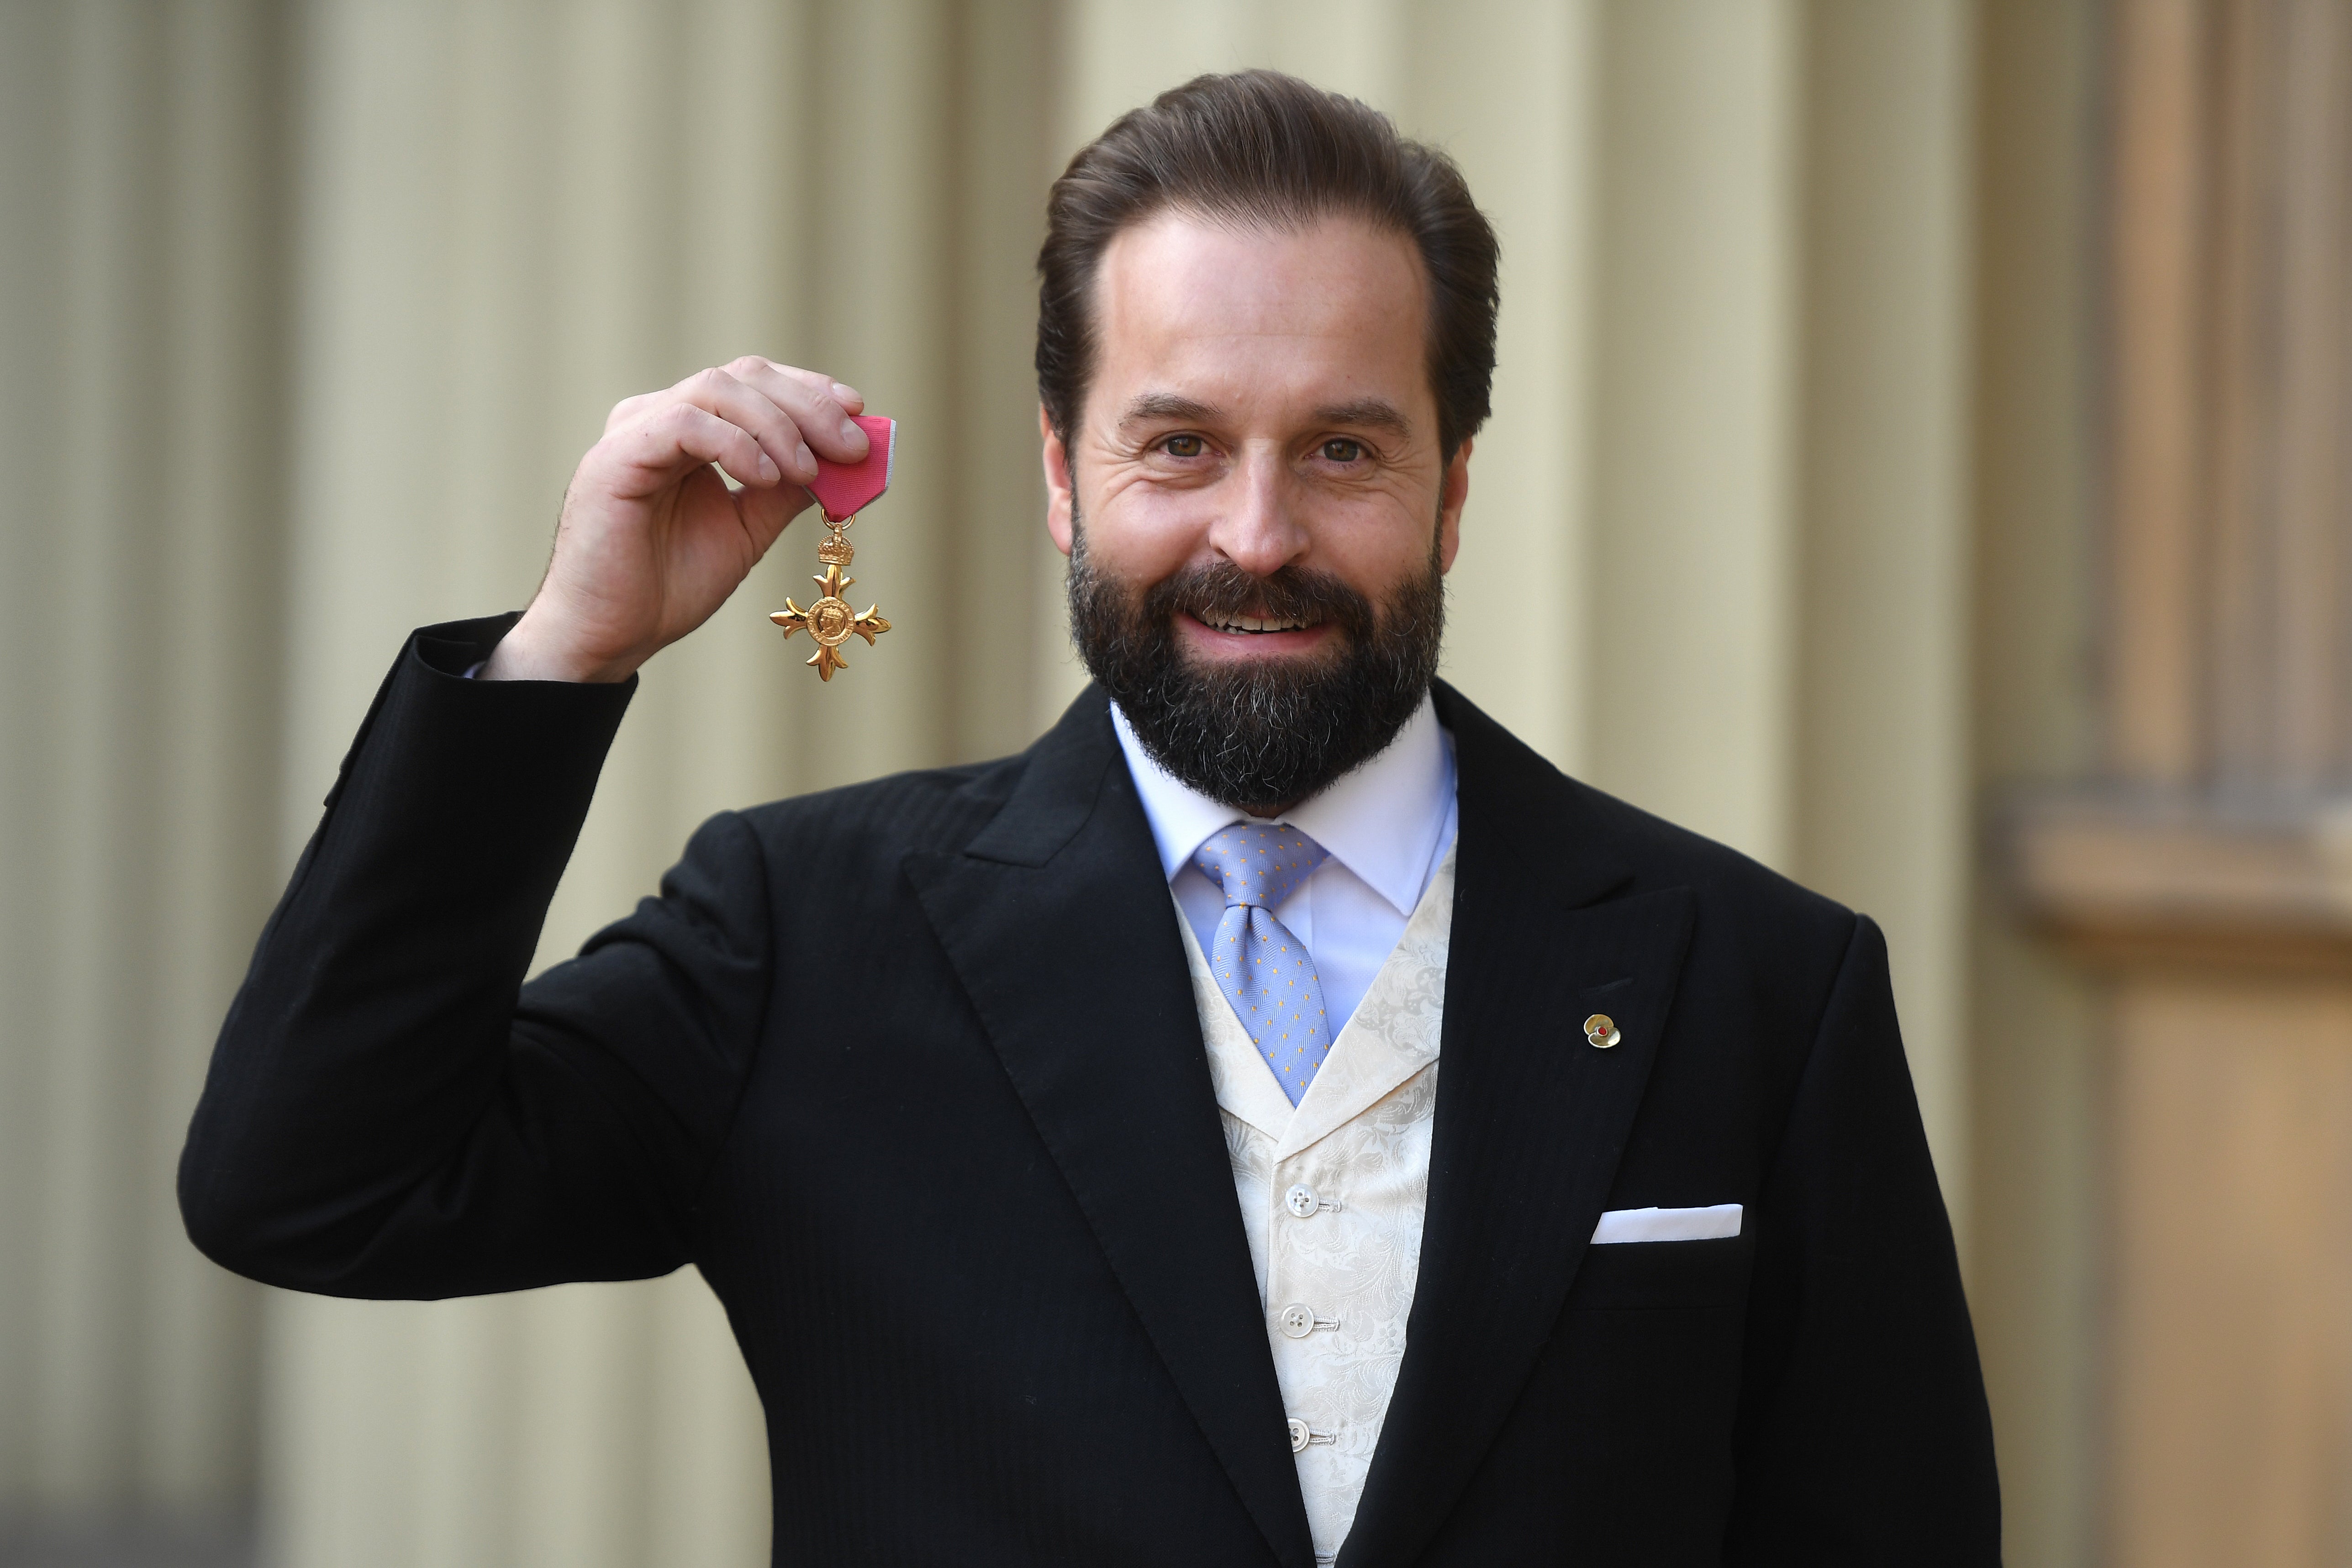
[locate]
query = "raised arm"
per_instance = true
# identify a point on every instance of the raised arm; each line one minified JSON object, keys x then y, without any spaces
{"x":390,"y":1111}
{"x":651,"y":539}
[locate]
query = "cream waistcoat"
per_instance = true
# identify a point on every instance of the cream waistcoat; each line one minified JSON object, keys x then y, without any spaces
{"x":1332,"y":1196}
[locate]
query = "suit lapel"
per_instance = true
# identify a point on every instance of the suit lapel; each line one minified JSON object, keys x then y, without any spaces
{"x":1531,"y":1119}
{"x":1059,"y":924}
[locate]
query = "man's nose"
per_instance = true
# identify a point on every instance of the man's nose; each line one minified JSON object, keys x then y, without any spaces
{"x":1258,"y":528}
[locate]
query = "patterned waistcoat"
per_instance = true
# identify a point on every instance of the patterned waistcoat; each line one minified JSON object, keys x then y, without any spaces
{"x":1332,"y":1194}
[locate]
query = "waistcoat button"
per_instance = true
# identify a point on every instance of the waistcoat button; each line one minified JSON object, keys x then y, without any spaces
{"x":1302,"y":1200}
{"x":1297,"y":1320}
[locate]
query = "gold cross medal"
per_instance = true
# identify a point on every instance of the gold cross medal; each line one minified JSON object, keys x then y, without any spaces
{"x":842,"y":490}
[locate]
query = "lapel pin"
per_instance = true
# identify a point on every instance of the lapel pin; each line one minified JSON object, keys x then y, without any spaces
{"x":1602,"y":1031}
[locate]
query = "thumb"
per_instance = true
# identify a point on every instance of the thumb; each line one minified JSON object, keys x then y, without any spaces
{"x":766,"y":510}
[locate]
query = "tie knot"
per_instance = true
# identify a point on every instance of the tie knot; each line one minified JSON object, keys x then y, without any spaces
{"x":1258,"y":864}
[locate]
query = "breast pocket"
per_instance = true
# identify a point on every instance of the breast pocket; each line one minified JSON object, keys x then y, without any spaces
{"x":1641,"y":1385}
{"x":1638,"y":1275}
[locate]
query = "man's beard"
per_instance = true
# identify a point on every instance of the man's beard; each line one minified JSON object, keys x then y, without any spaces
{"x":1258,"y":735}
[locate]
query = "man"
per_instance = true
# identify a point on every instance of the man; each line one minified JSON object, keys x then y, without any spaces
{"x":1277,"y":1119}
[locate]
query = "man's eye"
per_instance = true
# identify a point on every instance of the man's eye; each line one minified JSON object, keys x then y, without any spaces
{"x":1341,"y":450}
{"x":1182,"y":447}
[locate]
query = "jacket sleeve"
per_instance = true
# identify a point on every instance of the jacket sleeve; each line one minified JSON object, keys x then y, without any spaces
{"x":1864,"y":1434}
{"x":390,"y":1111}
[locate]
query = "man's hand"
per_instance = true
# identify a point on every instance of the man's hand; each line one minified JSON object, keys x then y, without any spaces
{"x":652,"y":541}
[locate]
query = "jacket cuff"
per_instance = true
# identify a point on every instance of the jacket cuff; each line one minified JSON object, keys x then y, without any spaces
{"x":481,"y":735}
{"x":453,"y":647}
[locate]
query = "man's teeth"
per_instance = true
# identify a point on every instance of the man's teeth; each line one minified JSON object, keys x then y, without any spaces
{"x":1255,"y":624}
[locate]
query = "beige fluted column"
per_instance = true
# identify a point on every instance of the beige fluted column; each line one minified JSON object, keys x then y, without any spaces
{"x":2035,"y":1273}
{"x":1881,"y":813}
{"x":137,"y":401}
{"x":1695,"y":569}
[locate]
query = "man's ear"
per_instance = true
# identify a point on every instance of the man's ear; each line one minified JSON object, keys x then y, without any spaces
{"x":1451,"y":495}
{"x":1058,"y":499}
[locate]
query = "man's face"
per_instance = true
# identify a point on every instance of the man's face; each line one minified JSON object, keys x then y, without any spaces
{"x":1256,"y":495}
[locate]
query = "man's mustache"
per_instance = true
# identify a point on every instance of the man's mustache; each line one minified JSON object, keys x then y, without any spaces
{"x":1221,"y":590}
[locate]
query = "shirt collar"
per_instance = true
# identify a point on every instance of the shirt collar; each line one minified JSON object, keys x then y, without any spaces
{"x":1382,"y":821}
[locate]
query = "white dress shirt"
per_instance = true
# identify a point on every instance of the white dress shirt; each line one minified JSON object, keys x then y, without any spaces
{"x":1386,"y":826}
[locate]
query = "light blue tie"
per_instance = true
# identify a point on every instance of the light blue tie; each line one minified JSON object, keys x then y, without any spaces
{"x":1264,"y":971}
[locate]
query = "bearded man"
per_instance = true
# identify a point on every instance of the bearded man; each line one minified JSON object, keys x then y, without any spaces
{"x":1287,"y":1120}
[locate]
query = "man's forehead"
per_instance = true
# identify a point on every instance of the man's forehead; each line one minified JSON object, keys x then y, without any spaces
{"x":1177,"y":262}
{"x":1187,"y":309}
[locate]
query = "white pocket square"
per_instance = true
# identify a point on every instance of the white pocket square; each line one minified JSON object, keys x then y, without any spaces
{"x":1668,"y":1225}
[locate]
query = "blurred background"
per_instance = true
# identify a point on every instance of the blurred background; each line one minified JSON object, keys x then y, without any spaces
{"x":1919,"y":459}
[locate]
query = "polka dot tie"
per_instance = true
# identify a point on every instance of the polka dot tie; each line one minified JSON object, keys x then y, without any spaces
{"x":1262,"y":969}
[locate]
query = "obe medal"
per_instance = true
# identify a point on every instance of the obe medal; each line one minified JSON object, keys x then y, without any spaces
{"x":842,"y":490}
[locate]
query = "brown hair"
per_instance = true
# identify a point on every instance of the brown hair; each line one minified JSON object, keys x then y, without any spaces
{"x":1263,"y":148}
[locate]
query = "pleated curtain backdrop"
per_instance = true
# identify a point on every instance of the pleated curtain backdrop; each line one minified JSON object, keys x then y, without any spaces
{"x":312,"y":307}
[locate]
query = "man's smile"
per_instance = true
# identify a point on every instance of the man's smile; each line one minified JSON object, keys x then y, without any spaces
{"x":1225,"y":622}
{"x":1219,"y":632}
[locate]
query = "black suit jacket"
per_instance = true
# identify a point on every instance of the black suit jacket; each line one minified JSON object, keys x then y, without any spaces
{"x":912,"y":1072}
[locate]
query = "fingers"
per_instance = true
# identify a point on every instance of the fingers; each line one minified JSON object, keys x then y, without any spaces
{"x":653,"y":441}
{"x":777,"y":428}
{"x":818,"y":405}
{"x":849,"y":397}
{"x":781,"y":419}
{"x":764,"y":513}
